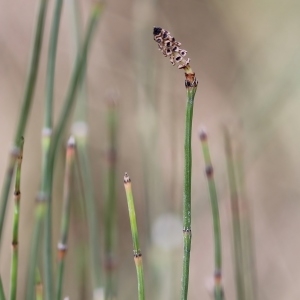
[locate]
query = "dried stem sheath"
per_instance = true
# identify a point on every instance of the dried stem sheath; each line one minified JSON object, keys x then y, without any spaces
{"x":38,"y":285}
{"x":26,"y":105}
{"x":134,"y":231}
{"x":65,"y":221}
{"x":218,"y":290}
{"x":43,"y":197}
{"x":15,"y":237}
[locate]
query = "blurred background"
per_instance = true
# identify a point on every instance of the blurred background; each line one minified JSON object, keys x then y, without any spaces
{"x":246,"y":55}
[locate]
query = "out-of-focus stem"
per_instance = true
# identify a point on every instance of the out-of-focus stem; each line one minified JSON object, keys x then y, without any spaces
{"x":218,"y":290}
{"x":235,"y":212}
{"x":65,"y":221}
{"x":134,"y":231}
{"x":38,"y":285}
{"x":110,"y":206}
{"x":15,"y":236}
{"x":46,"y":140}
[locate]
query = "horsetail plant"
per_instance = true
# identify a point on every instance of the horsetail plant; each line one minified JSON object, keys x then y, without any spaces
{"x":218,"y":290}
{"x":134,"y":231}
{"x":65,"y":218}
{"x":43,"y":197}
{"x":16,"y":218}
{"x":171,"y":48}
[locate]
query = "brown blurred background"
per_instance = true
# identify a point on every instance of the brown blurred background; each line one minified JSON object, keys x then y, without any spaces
{"x":246,"y":55}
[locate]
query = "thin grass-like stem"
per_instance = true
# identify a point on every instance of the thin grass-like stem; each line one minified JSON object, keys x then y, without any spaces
{"x":38,"y":285}
{"x":187,"y":212}
{"x":235,"y":215}
{"x":2,"y":295}
{"x":110,"y":205}
{"x":43,"y":197}
{"x":15,"y":235}
{"x":218,"y":290}
{"x":65,"y":221}
{"x":46,"y":141}
{"x":26,"y":106}
{"x":134,"y":231}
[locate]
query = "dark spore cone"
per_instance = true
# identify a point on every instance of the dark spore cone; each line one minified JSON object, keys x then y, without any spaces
{"x":157,"y":30}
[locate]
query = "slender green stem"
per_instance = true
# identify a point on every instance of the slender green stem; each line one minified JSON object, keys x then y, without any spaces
{"x":65,"y":221}
{"x":218,"y":290}
{"x":15,"y":237}
{"x":38,"y":285}
{"x":236,"y":225}
{"x":47,"y":130}
{"x":191,"y":87}
{"x":91,"y":211}
{"x":135,"y":238}
{"x":110,"y":206}
{"x":26,"y":105}
{"x":2,"y":295}
{"x":44,"y":196}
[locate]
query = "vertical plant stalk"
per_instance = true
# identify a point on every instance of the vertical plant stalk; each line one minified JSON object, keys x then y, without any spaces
{"x":171,"y":48}
{"x":26,"y":106}
{"x":65,"y":221}
{"x":43,"y":197}
{"x":38,"y":285}
{"x":218,"y":290}
{"x":134,"y":231}
{"x":46,"y":141}
{"x":15,"y":235}
{"x":235,"y":215}
{"x":110,"y":205}
{"x":2,"y":295}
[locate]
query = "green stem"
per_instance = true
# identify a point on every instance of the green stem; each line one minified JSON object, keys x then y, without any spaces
{"x":2,"y":295}
{"x":44,"y":196}
{"x":134,"y":231}
{"x":64,"y":229}
{"x":187,"y":232}
{"x":15,"y":237}
{"x":48,"y":116}
{"x":236,"y":224}
{"x":110,"y":206}
{"x":218,"y":291}
{"x":38,"y":285}
{"x":27,"y":101}
{"x":91,"y":211}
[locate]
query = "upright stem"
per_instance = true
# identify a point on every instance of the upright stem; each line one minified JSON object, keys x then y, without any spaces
{"x":16,"y":218}
{"x":38,"y":285}
{"x":218,"y":290}
{"x":235,"y":215}
{"x":134,"y":231}
{"x":2,"y":295}
{"x":46,"y":140}
{"x":110,"y":206}
{"x":64,"y":230}
{"x":191,"y":88}
{"x":26,"y":105}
